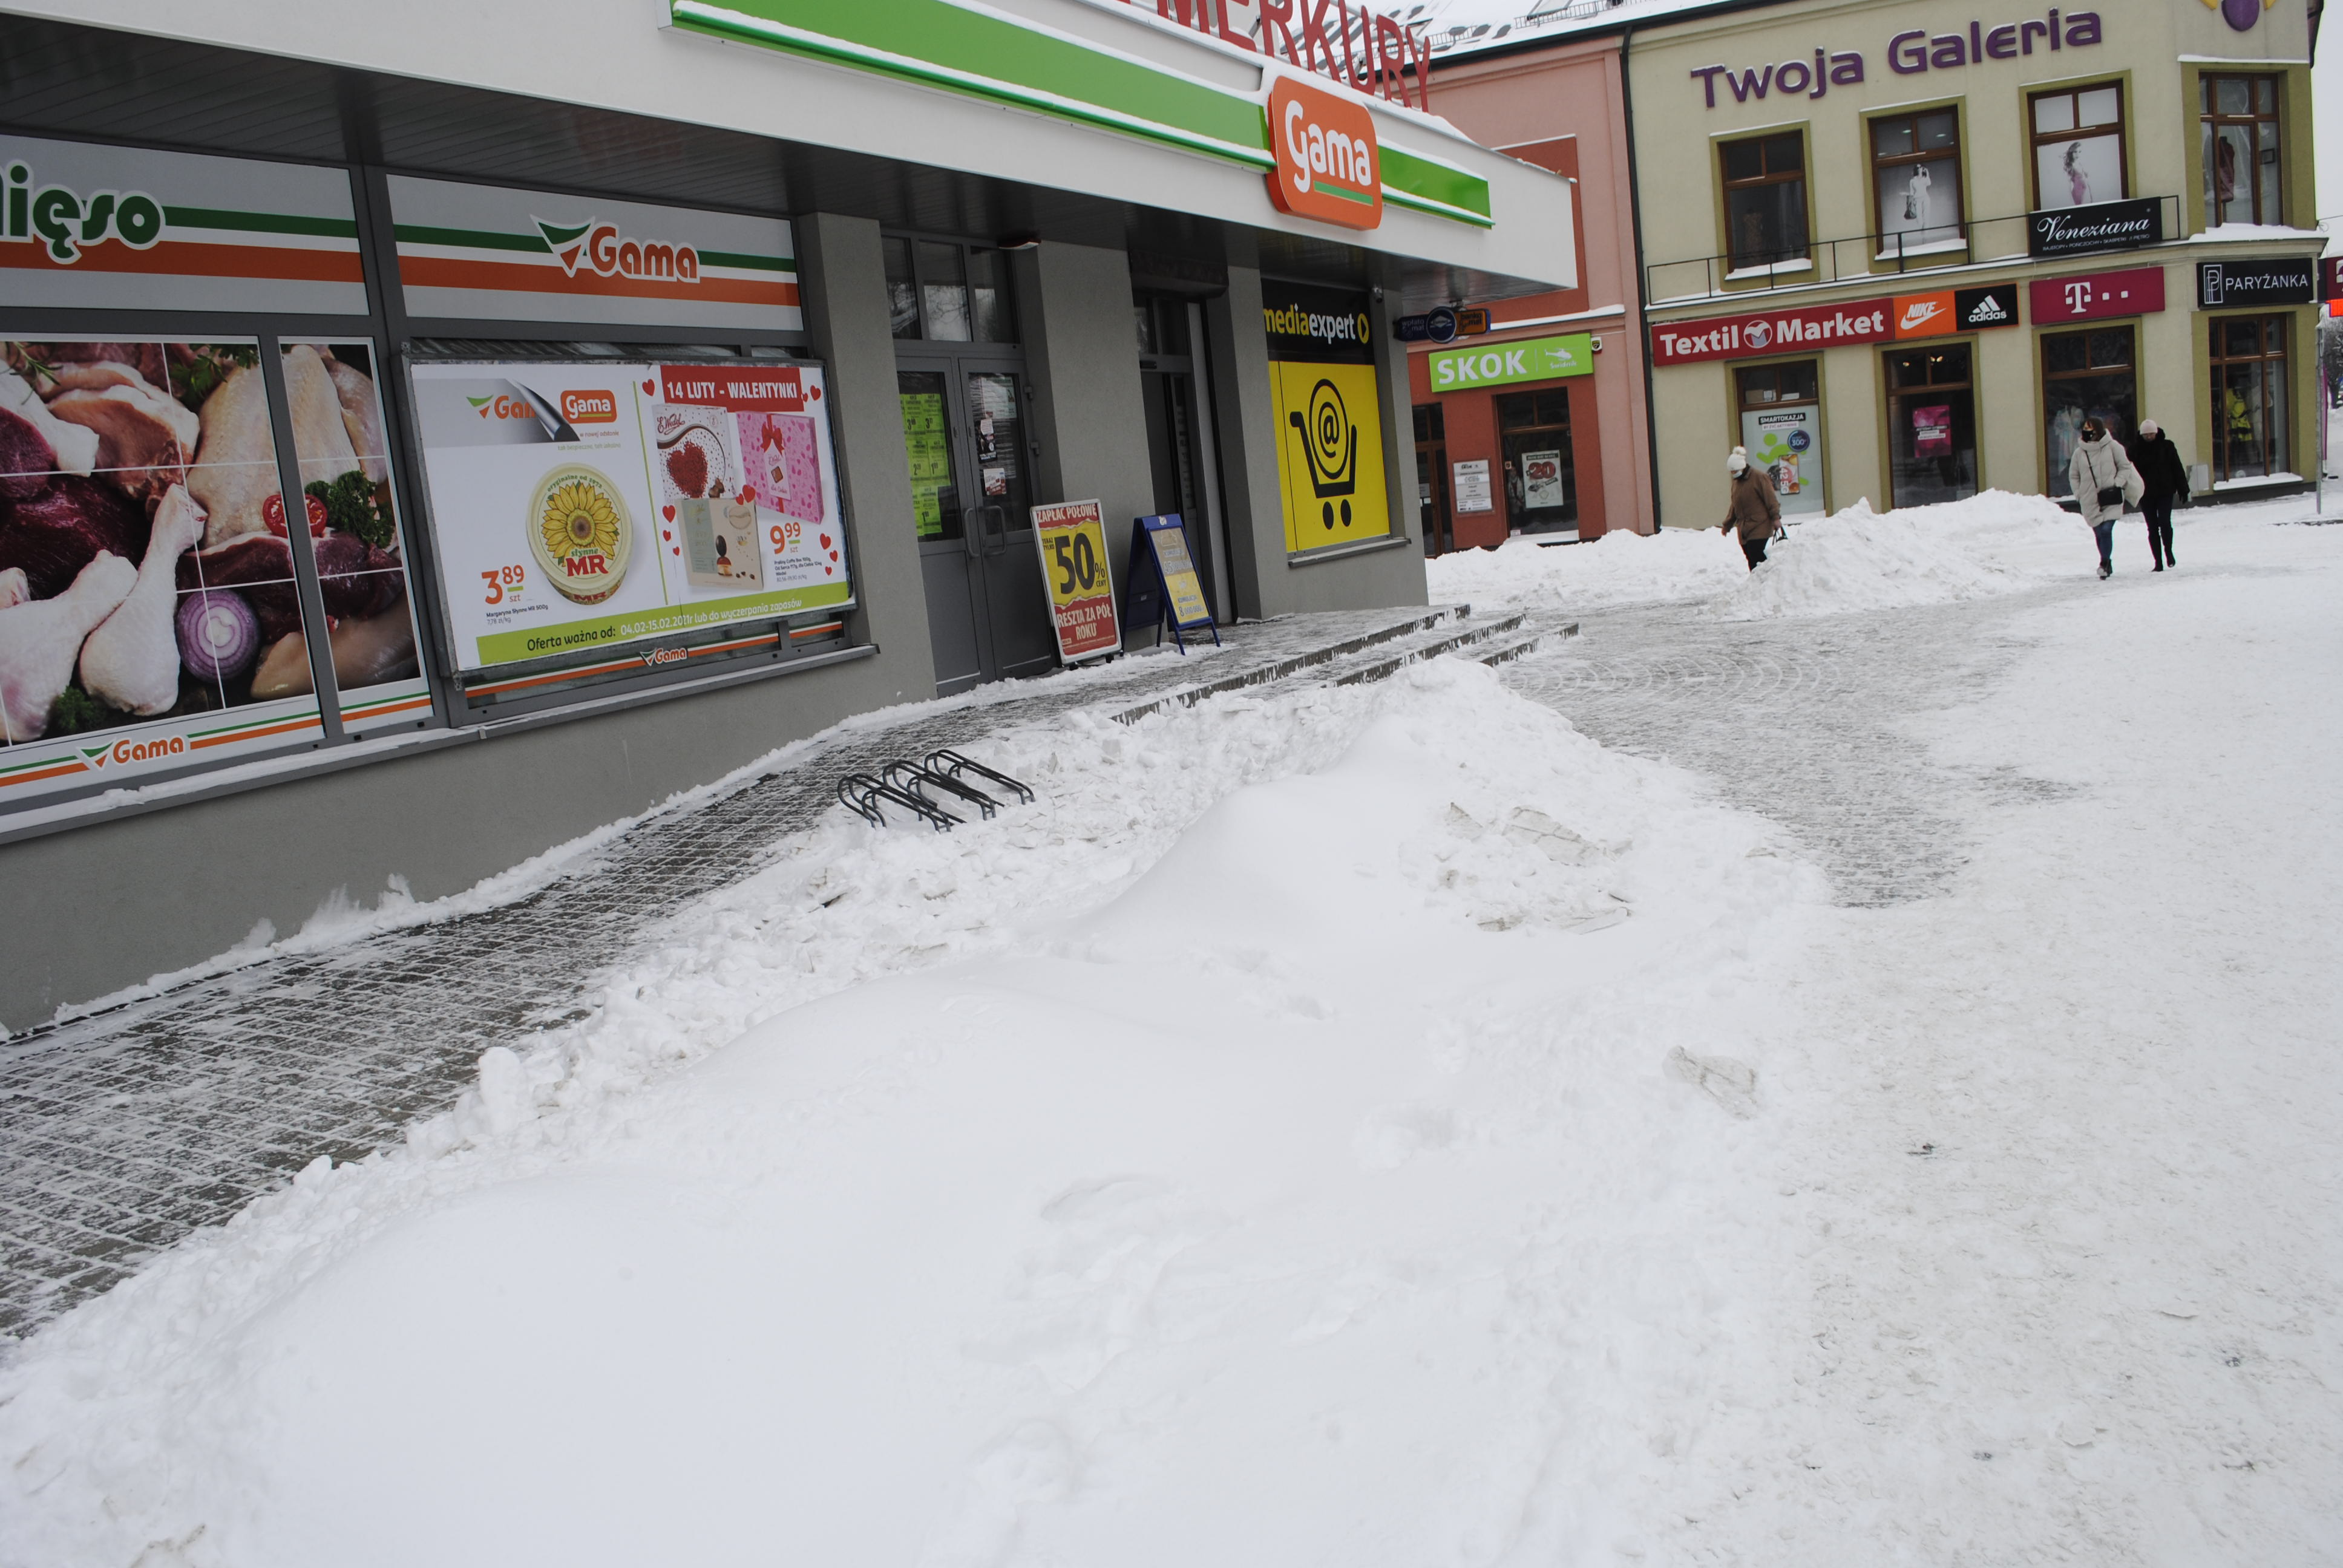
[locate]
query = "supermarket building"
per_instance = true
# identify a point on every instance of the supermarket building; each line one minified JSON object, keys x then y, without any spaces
{"x":416,"y":455}
{"x":1901,"y":251}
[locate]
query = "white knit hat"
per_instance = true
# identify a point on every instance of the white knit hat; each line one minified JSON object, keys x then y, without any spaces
{"x":2150,"y":428}
{"x":1737,"y":461}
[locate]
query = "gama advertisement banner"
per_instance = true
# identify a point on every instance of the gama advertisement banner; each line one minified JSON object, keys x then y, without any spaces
{"x":99,"y":228}
{"x":581,"y":506}
{"x":1329,"y":411}
{"x":1772,"y":332}
{"x":485,"y":253}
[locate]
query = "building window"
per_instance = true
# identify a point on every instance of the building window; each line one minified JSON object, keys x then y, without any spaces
{"x":2085,"y":374}
{"x":1540,"y":486}
{"x":2239,"y":143}
{"x":1431,"y":477}
{"x":946,"y":292}
{"x":1915,"y":181}
{"x":1765,"y":200}
{"x":1931,"y":426}
{"x":1782,"y":429}
{"x":2248,"y":398}
{"x":2078,"y":147}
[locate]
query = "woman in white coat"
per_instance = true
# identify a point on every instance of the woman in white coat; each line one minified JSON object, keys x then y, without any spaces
{"x":2105,"y":482}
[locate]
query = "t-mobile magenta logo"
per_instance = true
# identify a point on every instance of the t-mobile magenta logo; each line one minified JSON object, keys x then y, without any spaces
{"x":2078,"y":297}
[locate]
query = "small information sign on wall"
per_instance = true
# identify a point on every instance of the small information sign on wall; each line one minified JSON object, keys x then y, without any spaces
{"x":1072,"y":539}
{"x":1473,"y":486}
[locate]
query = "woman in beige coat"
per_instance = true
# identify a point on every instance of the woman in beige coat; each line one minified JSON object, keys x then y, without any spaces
{"x":2105,"y":482}
{"x":1756,"y":510}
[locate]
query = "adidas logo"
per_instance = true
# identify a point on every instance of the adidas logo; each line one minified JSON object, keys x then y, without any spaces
{"x":1986,"y":310}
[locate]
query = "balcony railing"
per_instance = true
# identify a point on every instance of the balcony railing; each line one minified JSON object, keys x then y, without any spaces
{"x":1858,"y":257}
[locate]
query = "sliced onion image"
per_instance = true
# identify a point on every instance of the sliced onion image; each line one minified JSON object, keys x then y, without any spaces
{"x":218,"y":635}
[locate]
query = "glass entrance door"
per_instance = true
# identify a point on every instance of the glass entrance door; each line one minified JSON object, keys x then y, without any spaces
{"x":1540,"y":481}
{"x":967,"y":442}
{"x":1931,"y":426}
{"x":1180,"y":453}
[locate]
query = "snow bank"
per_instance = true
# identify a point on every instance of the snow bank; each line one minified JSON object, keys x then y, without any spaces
{"x":1855,"y":559}
{"x":1859,"y":560}
{"x":1289,"y":1140}
{"x":1618,"y":568}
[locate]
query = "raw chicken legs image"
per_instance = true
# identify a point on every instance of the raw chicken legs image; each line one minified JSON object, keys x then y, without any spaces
{"x":132,"y":661}
{"x":39,"y":641}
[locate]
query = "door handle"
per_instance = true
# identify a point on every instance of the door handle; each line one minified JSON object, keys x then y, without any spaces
{"x":993,"y":523}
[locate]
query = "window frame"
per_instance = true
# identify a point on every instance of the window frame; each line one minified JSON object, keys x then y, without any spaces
{"x":1726,"y":186}
{"x":1893,"y":396}
{"x":2279,"y":441}
{"x":2132,"y":326}
{"x":2036,"y":139}
{"x":1912,"y":114}
{"x":914,"y":243}
{"x":2211,"y":119}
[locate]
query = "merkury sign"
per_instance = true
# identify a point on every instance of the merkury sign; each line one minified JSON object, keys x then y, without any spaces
{"x":1357,"y":48}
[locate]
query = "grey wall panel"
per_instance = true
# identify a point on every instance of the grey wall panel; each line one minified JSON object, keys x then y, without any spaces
{"x":843,"y":272}
{"x":91,"y":910}
{"x":1082,"y":350}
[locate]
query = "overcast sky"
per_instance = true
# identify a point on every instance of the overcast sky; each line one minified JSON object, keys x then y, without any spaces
{"x":2327,"y":104}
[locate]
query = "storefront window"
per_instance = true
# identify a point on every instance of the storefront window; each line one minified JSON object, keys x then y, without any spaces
{"x":354,"y":524}
{"x":1931,"y":426}
{"x":2085,"y":374}
{"x":2250,"y":401}
{"x":1432,"y":475}
{"x":1765,"y":200}
{"x":2239,"y":146}
{"x":946,"y":292}
{"x":2078,"y":147}
{"x":1915,"y":179}
{"x":927,"y":426}
{"x":1540,"y":483}
{"x":903,"y":290}
{"x":1782,"y":427}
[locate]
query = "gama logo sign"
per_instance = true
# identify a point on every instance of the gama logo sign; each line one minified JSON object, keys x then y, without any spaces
{"x":1329,"y":164}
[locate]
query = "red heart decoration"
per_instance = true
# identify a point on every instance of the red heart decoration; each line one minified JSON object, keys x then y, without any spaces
{"x":671,"y":513}
{"x":650,"y":383}
{"x":667,"y":534}
{"x":826,"y":571}
{"x":834,"y":555}
{"x":825,"y":541}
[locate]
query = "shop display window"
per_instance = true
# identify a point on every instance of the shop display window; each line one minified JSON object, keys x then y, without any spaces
{"x":1541,"y":479}
{"x":2079,"y":155}
{"x":2085,"y":374}
{"x":1432,"y":477}
{"x":941,"y":291}
{"x":1765,"y":200}
{"x":1931,"y":424}
{"x":1915,"y":181}
{"x":1782,"y":429}
{"x":2249,"y":396}
{"x":146,"y":574}
{"x":2239,"y":143}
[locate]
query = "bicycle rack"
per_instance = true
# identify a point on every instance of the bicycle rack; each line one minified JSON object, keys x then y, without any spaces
{"x":949,"y":764}
{"x":862,"y":794}
{"x":914,"y":779}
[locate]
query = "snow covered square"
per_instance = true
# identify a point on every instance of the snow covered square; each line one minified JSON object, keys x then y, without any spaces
{"x":1833,"y":1065}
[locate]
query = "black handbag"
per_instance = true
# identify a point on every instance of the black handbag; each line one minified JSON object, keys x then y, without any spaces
{"x":2111,"y":495}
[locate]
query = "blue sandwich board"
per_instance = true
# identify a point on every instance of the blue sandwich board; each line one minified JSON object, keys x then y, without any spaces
{"x":1163,"y":584}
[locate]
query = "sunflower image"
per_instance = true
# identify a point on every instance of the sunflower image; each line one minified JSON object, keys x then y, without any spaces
{"x":580,"y":534}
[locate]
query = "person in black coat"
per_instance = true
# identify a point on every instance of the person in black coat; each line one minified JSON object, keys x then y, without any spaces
{"x":2166,"y":480}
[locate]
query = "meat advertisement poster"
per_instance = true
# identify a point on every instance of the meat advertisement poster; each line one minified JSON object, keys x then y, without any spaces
{"x":150,"y":616}
{"x":580,"y":506}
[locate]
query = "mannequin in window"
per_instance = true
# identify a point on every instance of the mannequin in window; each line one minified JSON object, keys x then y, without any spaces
{"x":1916,"y":194}
{"x":2078,"y":182}
{"x":2225,"y":176}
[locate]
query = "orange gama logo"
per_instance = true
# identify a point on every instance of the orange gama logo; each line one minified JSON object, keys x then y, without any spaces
{"x":590,"y":407}
{"x":1329,"y":165}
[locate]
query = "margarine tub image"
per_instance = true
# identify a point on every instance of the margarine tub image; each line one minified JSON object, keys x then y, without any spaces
{"x":580,"y":533}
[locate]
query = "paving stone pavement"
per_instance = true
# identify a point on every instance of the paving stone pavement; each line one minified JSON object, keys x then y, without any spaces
{"x":122,"y":1132}
{"x":1797,"y":720}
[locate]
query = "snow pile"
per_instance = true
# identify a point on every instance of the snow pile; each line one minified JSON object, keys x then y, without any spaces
{"x":1287,"y":1140}
{"x":1620,"y":568}
{"x":1859,"y":560}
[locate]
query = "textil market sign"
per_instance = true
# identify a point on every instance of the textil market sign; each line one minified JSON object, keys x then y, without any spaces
{"x":1507,"y":364}
{"x":967,"y":47}
{"x":1772,"y":332}
{"x":1908,"y":54}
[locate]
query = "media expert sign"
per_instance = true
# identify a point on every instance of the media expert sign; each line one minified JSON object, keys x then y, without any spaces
{"x":1504,"y":364}
{"x":2229,"y":283}
{"x":1908,"y":54}
{"x":1329,"y":165}
{"x":2135,"y":291}
{"x":85,"y":226}
{"x":1329,"y":413}
{"x":1072,"y":539}
{"x":580,"y":506}
{"x":1772,"y":332}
